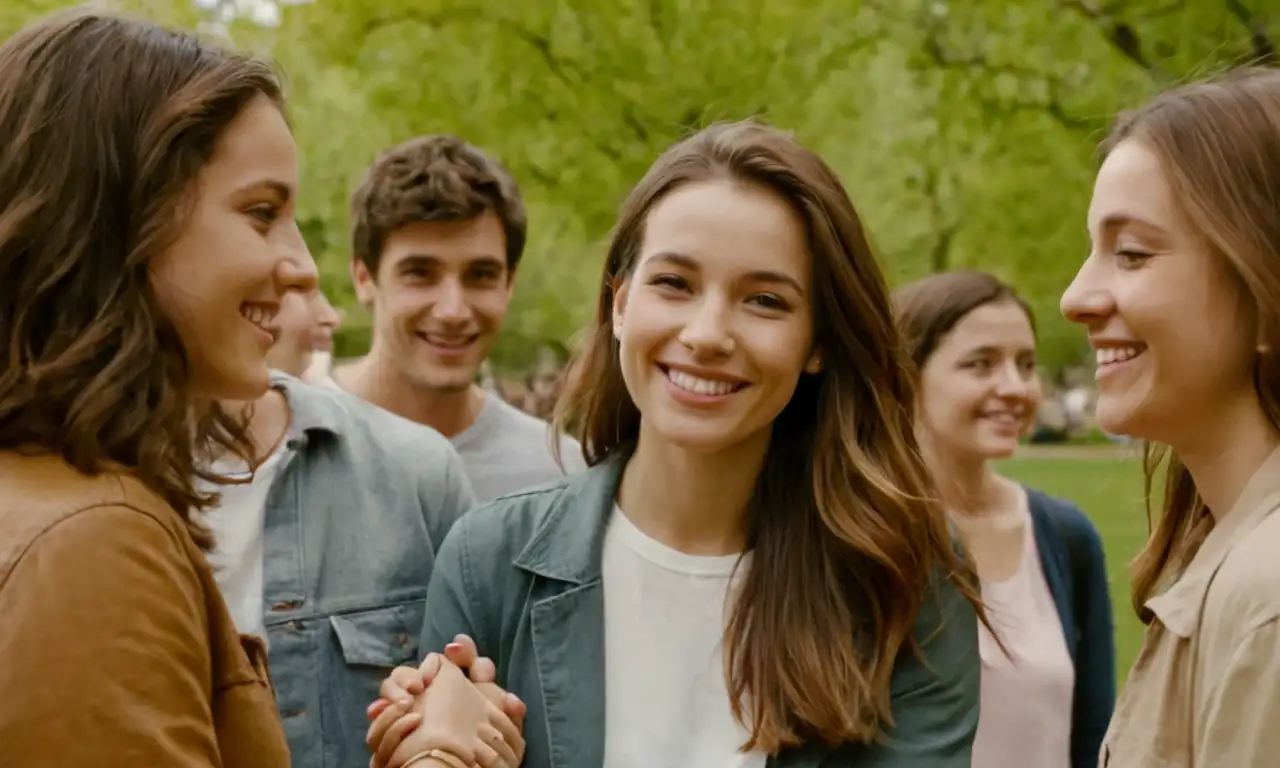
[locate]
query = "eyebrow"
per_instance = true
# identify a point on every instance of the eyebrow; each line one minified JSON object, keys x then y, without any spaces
{"x":759,"y":276}
{"x":282,"y":190}
{"x":1117,"y":220}
{"x":421,"y":259}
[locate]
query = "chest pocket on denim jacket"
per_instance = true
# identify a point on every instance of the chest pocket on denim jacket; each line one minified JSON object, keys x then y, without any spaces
{"x":382,"y":637}
{"x":370,"y":643}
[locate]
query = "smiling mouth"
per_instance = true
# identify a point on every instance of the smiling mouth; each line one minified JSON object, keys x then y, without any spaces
{"x":1111,"y":356}
{"x":699,"y":386}
{"x":261,"y":315}
{"x":449,"y":343}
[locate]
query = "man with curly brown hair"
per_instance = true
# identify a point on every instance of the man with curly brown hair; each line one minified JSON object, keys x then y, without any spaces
{"x":438,"y":229}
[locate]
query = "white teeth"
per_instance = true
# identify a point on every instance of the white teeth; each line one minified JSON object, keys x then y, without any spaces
{"x":1109,"y":355}
{"x":257,"y":315}
{"x":699,"y":386}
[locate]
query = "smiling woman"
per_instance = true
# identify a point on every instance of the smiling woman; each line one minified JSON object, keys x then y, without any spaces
{"x":1180,"y":294}
{"x":146,"y":242}
{"x":1048,"y":681}
{"x":754,"y":571}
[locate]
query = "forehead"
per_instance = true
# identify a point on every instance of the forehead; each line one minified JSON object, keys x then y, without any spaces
{"x":256,"y":147}
{"x":729,"y":225}
{"x":1002,"y":324}
{"x":459,"y":241}
{"x":1131,"y":184}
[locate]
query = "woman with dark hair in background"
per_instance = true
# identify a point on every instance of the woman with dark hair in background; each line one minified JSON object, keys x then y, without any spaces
{"x":1181,"y":298}
{"x":753,"y":571}
{"x":147,"y":184}
{"x":1047,"y":695}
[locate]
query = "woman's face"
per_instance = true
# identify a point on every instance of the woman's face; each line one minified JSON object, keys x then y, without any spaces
{"x":1172,"y":329}
{"x":979,"y":389}
{"x":239,"y":254}
{"x":715,"y":323}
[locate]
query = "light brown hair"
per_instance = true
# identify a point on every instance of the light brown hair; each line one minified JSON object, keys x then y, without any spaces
{"x":929,"y":308}
{"x":846,"y":534}
{"x":1218,"y":144}
{"x":105,"y":125}
{"x":433,"y":178}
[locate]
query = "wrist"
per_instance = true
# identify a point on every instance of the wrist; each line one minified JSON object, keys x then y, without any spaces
{"x":435,"y":758}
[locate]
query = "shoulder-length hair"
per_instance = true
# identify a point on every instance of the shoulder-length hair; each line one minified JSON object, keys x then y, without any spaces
{"x":105,"y":125}
{"x":1218,"y":145}
{"x":930,"y":308}
{"x":846,"y":533}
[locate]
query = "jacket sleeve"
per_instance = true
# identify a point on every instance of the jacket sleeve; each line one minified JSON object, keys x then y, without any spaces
{"x":935,"y":698}
{"x":1095,"y":662}
{"x":105,"y":645}
{"x":449,"y":609}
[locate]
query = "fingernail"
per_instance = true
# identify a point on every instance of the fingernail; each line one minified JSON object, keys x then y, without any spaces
{"x":453,"y":647}
{"x":404,"y":703}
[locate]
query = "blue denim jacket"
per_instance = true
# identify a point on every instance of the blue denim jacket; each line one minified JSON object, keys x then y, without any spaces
{"x":522,"y":575}
{"x":353,"y":520}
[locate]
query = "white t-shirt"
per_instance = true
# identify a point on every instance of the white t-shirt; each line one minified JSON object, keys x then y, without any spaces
{"x":238,"y":526}
{"x":666,"y":704}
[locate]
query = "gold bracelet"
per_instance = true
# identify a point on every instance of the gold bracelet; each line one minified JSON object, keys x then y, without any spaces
{"x":448,"y":758}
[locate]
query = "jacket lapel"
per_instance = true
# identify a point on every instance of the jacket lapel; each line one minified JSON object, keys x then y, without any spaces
{"x":567,"y":615}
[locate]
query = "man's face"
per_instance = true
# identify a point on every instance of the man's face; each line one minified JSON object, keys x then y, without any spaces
{"x":438,"y":300}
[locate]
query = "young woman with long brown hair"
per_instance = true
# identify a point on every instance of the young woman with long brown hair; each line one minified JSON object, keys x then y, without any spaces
{"x":754,"y":571}
{"x":146,"y":238}
{"x":1048,"y":683}
{"x":1181,"y":297}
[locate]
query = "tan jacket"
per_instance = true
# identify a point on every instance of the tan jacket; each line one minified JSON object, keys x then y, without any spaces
{"x":1205,"y":689}
{"x":116,"y":648}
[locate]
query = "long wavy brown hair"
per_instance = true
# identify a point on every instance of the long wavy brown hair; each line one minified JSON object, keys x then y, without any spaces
{"x":1218,"y":143}
{"x":105,"y":125}
{"x":847,"y":535}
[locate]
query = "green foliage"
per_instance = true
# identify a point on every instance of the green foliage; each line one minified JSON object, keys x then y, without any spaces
{"x":964,"y":130}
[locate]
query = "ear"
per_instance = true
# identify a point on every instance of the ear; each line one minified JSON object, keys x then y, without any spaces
{"x":621,"y":290}
{"x":814,"y":365}
{"x":362,"y":279}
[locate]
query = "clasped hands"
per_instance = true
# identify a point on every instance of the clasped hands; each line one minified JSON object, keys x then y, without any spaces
{"x":446,"y":712}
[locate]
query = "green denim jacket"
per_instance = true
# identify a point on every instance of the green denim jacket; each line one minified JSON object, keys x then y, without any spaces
{"x":521,"y":575}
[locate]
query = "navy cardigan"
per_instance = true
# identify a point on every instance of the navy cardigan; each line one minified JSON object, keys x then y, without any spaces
{"x":1075,"y":569}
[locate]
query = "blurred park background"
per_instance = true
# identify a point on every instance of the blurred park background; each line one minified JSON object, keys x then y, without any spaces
{"x":963,"y":129}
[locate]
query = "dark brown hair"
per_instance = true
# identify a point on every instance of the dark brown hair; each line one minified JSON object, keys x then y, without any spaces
{"x":1218,"y":144}
{"x":433,"y":178}
{"x":106,"y":124}
{"x":847,"y":536}
{"x":927,"y":309}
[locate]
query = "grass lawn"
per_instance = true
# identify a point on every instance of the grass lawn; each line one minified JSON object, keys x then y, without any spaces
{"x":1110,"y":493}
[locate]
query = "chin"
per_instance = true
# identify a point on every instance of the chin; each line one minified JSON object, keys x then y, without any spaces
{"x":694,"y":438}
{"x":1114,"y":417}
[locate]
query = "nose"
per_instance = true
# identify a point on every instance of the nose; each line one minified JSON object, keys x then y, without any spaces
{"x":298,"y":273}
{"x":1013,"y":381}
{"x":707,"y":330}
{"x":451,"y":302}
{"x":326,"y":316}
{"x":1086,"y":300}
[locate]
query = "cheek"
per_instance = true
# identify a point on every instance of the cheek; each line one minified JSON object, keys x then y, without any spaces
{"x":490,"y":305}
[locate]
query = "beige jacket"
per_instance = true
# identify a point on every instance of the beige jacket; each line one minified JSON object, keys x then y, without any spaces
{"x":1205,"y":689}
{"x":116,"y":648}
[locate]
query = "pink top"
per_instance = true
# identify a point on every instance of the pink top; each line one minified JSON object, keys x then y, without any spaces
{"x":1025,"y":720}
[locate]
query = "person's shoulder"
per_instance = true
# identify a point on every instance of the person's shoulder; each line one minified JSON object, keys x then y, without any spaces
{"x":83,"y":523}
{"x":40,"y":493}
{"x":536,"y":432}
{"x":510,"y":521}
{"x":1063,"y":518}
{"x":359,"y":422}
